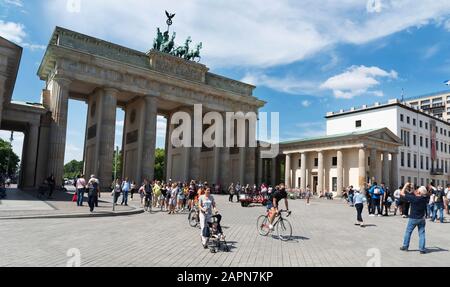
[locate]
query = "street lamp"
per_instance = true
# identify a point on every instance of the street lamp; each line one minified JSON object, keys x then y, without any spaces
{"x":115,"y":177}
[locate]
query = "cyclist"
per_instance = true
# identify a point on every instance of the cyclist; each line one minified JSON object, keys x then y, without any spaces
{"x":279,"y":194}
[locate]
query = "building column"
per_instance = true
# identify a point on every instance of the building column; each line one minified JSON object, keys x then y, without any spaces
{"x":273,"y":172}
{"x":149,"y":145}
{"x":287,"y":174}
{"x":373,"y":165}
{"x":320,"y":183}
{"x":58,"y":128}
{"x":216,"y":174}
{"x":362,"y":158}
{"x":303,"y":179}
{"x":106,"y":137}
{"x":242,"y":164}
{"x":394,"y":171}
{"x":260,"y":169}
{"x":31,"y":148}
{"x":340,"y":172}
{"x":2,"y":91}
{"x":386,"y":169}
{"x":168,"y":151}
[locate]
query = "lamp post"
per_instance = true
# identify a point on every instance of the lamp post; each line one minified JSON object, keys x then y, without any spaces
{"x":11,"y":139}
{"x":115,"y":177}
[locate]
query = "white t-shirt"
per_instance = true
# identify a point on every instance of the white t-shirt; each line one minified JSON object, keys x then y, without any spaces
{"x":397,"y":194}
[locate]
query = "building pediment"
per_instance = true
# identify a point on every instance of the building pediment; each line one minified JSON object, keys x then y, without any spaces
{"x":384,"y":135}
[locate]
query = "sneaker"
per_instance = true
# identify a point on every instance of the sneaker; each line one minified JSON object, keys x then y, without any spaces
{"x":403,"y":248}
{"x":357,"y":223}
{"x":270,"y":226}
{"x":379,"y":215}
{"x":423,"y":252}
{"x":372,"y":215}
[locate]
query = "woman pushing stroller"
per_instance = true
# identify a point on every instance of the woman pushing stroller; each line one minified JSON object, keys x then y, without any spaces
{"x":207,"y":206}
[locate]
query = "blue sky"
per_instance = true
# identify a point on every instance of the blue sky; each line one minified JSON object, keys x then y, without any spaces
{"x":305,"y":57}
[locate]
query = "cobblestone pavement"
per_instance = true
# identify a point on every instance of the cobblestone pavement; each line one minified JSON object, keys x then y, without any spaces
{"x":324,"y":235}
{"x":26,"y":204}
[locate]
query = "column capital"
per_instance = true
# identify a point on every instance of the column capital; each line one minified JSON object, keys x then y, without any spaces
{"x":62,"y":80}
{"x":112,"y":91}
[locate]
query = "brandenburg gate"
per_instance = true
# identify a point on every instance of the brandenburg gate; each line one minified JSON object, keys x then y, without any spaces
{"x":144,"y":85}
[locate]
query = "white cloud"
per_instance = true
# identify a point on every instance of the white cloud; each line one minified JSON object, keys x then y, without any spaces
{"x":17,"y":3}
{"x":11,"y":31}
{"x":247,"y":33}
{"x":287,"y":84}
{"x":431,"y":51}
{"x":357,"y":80}
{"x":306,"y":103}
{"x":33,"y":47}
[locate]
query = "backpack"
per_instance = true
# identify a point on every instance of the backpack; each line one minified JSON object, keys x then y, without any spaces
{"x":377,"y":191}
{"x":93,"y":190}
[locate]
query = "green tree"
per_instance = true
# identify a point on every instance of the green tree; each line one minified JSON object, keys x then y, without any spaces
{"x":159,"y":163}
{"x":8,"y":155}
{"x":117,"y":163}
{"x":73,"y":169}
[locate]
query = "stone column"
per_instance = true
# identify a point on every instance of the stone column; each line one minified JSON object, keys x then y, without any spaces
{"x":216,"y":174}
{"x":31,"y":148}
{"x":274,"y":171}
{"x":386,"y":169}
{"x":362,"y":163}
{"x":373,"y":164}
{"x":303,"y":180}
{"x":58,"y":128}
{"x":340,"y":172}
{"x":242,"y":161}
{"x":394,"y":172}
{"x":105,"y":137}
{"x":287,"y":174}
{"x":321,"y":169}
{"x":2,"y":91}
{"x":150,"y":126}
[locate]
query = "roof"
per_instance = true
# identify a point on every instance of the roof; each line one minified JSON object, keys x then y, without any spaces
{"x":345,"y":135}
{"x":435,"y":94}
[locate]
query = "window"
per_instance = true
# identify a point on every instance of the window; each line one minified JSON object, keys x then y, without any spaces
{"x":421,"y":141}
{"x":334,"y":161}
{"x":427,"y":164}
{"x":403,"y":180}
{"x":414,"y":140}
{"x":426,"y":126}
{"x":408,"y":120}
{"x":408,"y":156}
{"x":421,"y":162}
{"x":300,"y":162}
{"x":414,"y":122}
{"x":420,"y":124}
{"x":316,"y":162}
{"x":402,"y":117}
{"x":442,"y":146}
{"x":437,"y":146}
{"x":415,"y":161}
{"x":358,"y":124}
{"x":402,"y":159}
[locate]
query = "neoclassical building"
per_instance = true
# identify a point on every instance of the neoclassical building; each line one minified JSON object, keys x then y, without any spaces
{"x":331,"y":163}
{"x":107,"y":76}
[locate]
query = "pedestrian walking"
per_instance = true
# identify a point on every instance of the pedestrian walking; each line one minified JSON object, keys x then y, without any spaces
{"x":81,"y":189}
{"x":116,"y":190}
{"x":126,"y":187}
{"x":93,"y":186}
{"x":439,"y":196}
{"x":231,"y":191}
{"x":308,"y":195}
{"x":376,"y":193}
{"x":51,"y":185}
{"x":418,"y":200}
{"x":358,"y":201}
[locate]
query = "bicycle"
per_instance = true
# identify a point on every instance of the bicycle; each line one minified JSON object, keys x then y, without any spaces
{"x":282,"y":226}
{"x":194,"y":217}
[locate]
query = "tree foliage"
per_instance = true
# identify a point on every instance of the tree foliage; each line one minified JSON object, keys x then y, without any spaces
{"x":73,"y":169}
{"x":7,"y":154}
{"x":159,"y":163}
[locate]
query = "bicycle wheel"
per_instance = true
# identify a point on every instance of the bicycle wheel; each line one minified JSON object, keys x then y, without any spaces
{"x":262,"y":224}
{"x":284,"y":230}
{"x":192,"y":217}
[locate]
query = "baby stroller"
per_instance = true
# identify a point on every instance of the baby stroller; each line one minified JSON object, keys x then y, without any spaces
{"x":217,"y":238}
